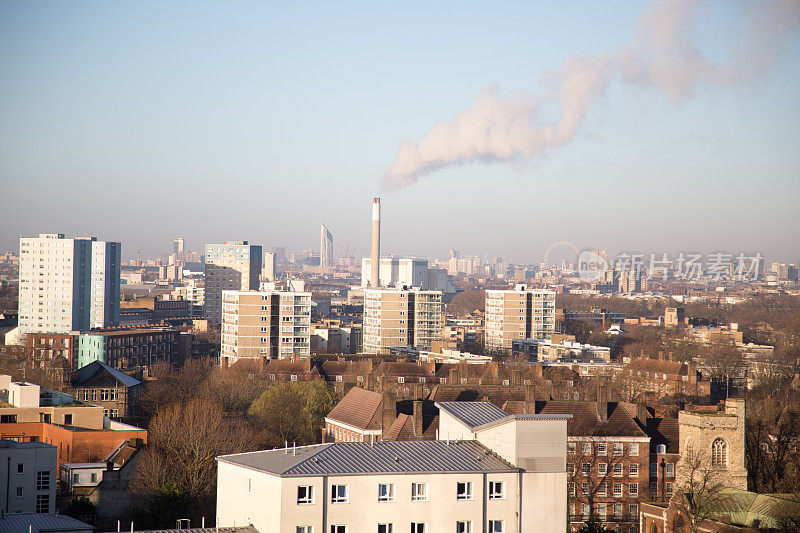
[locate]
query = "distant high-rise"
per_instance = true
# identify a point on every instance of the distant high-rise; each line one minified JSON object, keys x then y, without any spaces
{"x":401,"y":317}
{"x":68,"y":284}
{"x":375,"y":255}
{"x":521,"y":313}
{"x":234,"y":266}
{"x":270,"y":268}
{"x":325,"y":248}
{"x":177,"y":247}
{"x":265,"y":325}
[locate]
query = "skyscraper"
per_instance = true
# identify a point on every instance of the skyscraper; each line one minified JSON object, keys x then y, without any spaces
{"x":401,"y":317}
{"x":177,"y":247}
{"x":234,"y":266}
{"x":68,"y":284}
{"x":325,"y":247}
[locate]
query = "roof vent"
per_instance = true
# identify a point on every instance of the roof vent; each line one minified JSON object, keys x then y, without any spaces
{"x":397,"y":458}
{"x":662,"y":448}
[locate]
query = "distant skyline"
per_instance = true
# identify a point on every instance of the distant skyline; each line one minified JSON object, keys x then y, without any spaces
{"x":143,"y":122}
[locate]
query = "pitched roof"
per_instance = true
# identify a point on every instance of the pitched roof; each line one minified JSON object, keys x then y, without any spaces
{"x":87,"y":372}
{"x":663,"y":431}
{"x":473,"y":414}
{"x":359,"y":408}
{"x":382,"y":457}
{"x":36,"y":522}
{"x":671,"y":368}
{"x":587,"y":420}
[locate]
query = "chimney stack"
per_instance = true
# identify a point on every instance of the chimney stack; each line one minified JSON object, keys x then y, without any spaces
{"x":375,"y":257}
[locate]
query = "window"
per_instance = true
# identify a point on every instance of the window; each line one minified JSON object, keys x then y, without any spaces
{"x":496,"y":490}
{"x":338,"y":493}
{"x":602,"y":489}
{"x":587,"y":448}
{"x":42,"y":503}
{"x":76,"y":478}
{"x":570,"y":469}
{"x":618,"y":489}
{"x":464,"y":490}
{"x":617,"y":448}
{"x":633,"y":469}
{"x":584,"y":488}
{"x":602,"y":468}
{"x":495,"y":526}
{"x":571,"y":447}
{"x":385,"y":528}
{"x":633,"y":489}
{"x":633,"y":510}
{"x":670,"y":470}
{"x":668,"y":489}
{"x":678,"y":525}
{"x":586,"y":469}
{"x":304,"y":529}
{"x":653,"y":469}
{"x":654,"y":489}
{"x":617,"y":469}
{"x":8,"y":419}
{"x":20,"y":468}
{"x":19,"y":492}
{"x":338,"y":529}
{"x":305,"y":494}
{"x":418,"y":527}
{"x":719,"y":453}
{"x":585,"y":511}
{"x":617,"y":510}
{"x":94,"y":477}
{"x":419,"y":492}
{"x":571,"y":488}
{"x":385,"y":492}
{"x":463,"y":526}
{"x":601,"y":448}
{"x":601,"y":511}
{"x":67,"y":420}
{"x":633,"y":449}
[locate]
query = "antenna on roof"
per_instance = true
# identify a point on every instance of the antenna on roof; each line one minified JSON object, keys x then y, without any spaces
{"x":286,"y":446}
{"x":294,"y":448}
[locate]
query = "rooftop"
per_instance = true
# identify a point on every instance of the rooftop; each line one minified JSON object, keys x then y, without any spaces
{"x":359,"y":408}
{"x":361,"y":458}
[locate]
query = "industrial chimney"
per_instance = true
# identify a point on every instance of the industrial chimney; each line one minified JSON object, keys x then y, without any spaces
{"x":375,"y":257}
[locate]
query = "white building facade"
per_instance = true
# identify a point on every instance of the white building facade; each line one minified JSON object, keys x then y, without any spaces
{"x":28,"y":470}
{"x":233,"y":266}
{"x":68,"y":284}
{"x":466,"y":486}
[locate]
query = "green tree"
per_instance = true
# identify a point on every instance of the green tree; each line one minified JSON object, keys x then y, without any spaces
{"x":295,"y":411}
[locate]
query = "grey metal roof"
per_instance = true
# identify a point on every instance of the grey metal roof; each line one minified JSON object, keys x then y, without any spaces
{"x":86,"y":372}
{"x":473,"y":414}
{"x":40,"y":523}
{"x":235,"y":529}
{"x":360,"y":458}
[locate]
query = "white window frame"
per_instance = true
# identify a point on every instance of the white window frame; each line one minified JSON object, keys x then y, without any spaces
{"x":463,"y":526}
{"x":336,"y":498}
{"x":416,"y":494}
{"x":309,"y":497}
{"x":467,"y":493}
{"x":419,"y":527}
{"x":494,"y":493}
{"x":388,"y":496}
{"x":495,"y":526}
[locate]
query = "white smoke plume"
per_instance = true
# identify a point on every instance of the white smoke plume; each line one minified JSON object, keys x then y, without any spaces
{"x":661,"y":55}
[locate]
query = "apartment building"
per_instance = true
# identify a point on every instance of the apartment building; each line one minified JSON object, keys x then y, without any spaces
{"x":521,"y":313}
{"x":234,"y":266}
{"x":68,"y":284}
{"x":559,"y":350}
{"x":259,"y":325}
{"x":48,"y":346}
{"x":508,"y":478}
{"x":399,"y":317}
{"x":107,"y":387}
{"x":29,"y":473}
{"x":127,"y":348}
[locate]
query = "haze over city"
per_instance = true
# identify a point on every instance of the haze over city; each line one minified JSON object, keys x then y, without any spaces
{"x":141,"y":122}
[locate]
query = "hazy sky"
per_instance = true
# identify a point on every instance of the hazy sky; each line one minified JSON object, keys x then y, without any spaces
{"x":143,"y":121}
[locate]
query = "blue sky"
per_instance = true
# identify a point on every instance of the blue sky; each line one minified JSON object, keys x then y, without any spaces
{"x":143,"y":121}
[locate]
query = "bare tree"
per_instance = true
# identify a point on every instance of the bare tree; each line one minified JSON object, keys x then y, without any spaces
{"x":700,"y":493}
{"x":725,"y":362}
{"x":590,"y":475}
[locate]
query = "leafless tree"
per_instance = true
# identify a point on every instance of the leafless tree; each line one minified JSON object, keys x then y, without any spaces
{"x":700,"y":493}
{"x":590,"y":475}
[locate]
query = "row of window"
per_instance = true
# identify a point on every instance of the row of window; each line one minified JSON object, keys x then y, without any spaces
{"x":617,"y":469}
{"x":602,"y":448}
{"x":602,"y":489}
{"x":462,"y":526}
{"x":386,"y":492}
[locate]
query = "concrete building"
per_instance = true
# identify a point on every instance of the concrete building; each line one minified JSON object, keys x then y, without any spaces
{"x":325,"y":248}
{"x":259,"y":325}
{"x":269,"y":272}
{"x":127,"y":348}
{"x":569,"y":351}
{"x":409,"y":271}
{"x":68,"y":284}
{"x":509,"y":476}
{"x":521,"y":313}
{"x":401,"y":317}
{"x":233,"y":266}
{"x":29,"y":473}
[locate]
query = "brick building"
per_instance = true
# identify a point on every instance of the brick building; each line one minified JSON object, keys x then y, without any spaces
{"x":107,"y":387}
